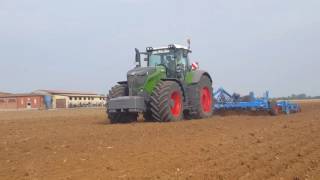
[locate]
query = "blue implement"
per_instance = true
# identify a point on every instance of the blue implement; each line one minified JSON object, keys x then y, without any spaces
{"x":226,"y":101}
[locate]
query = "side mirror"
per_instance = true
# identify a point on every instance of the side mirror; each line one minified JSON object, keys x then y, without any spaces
{"x":138,"y":58}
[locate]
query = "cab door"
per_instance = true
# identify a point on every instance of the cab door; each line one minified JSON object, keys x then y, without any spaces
{"x":182,"y":65}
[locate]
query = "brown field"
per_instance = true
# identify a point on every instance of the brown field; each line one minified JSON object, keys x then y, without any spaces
{"x":81,"y":144}
{"x":307,"y":101}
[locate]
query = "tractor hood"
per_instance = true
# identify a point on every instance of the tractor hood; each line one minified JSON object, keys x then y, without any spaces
{"x":141,"y":71}
{"x":137,"y":78}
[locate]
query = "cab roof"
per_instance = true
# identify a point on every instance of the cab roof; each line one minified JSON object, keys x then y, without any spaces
{"x":171,"y":46}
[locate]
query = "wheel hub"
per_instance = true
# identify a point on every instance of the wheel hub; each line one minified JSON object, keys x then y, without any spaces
{"x":206,"y":99}
{"x":175,"y":103}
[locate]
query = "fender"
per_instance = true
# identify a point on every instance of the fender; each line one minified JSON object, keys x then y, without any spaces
{"x":195,"y":76}
{"x":122,"y":82}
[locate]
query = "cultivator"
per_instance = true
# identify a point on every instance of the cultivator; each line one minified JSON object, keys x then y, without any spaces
{"x":288,"y":107}
{"x":224,"y":101}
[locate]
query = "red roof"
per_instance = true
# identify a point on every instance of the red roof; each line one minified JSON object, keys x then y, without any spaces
{"x":64,"y":92}
{"x":20,"y":95}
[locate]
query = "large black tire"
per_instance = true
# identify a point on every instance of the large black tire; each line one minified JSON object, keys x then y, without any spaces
{"x":167,"y":102}
{"x":147,"y":116}
{"x":120,"y":117}
{"x":202,"y":101}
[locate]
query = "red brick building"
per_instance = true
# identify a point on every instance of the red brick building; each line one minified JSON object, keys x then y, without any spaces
{"x":22,"y":101}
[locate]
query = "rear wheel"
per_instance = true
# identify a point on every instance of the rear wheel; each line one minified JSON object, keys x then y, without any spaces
{"x":203,"y":101}
{"x":120,"y":117}
{"x":167,"y":102}
{"x":275,"y":109}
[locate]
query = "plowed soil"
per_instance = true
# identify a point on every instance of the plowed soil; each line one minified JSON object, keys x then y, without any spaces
{"x":81,"y":144}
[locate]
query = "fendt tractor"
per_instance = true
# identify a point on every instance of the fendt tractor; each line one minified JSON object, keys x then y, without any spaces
{"x":163,"y":86}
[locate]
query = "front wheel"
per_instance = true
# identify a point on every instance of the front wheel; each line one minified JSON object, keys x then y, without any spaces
{"x":167,"y":102}
{"x":120,"y":117}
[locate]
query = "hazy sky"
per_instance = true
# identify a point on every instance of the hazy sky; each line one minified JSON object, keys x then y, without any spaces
{"x":89,"y":45}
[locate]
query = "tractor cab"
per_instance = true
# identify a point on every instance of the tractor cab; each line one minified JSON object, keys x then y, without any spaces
{"x":174,"y":58}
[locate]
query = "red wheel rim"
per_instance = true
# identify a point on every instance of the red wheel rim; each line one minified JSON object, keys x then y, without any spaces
{"x":176,"y":104}
{"x":206,"y":99}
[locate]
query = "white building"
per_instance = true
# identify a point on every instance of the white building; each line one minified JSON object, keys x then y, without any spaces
{"x":72,"y":99}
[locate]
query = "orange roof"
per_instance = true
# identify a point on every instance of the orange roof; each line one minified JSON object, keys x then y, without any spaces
{"x":19,"y":95}
{"x":65,"y":92}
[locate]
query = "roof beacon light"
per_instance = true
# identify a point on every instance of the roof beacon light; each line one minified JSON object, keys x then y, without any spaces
{"x":149,"y":49}
{"x":171,"y":46}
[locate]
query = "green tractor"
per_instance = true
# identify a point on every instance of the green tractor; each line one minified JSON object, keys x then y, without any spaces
{"x":163,"y":86}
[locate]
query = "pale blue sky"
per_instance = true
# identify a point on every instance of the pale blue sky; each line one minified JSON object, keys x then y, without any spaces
{"x":89,"y":45}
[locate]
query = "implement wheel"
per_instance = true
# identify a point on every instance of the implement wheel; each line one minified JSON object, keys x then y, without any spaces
{"x":167,"y":102}
{"x":120,"y":117}
{"x":275,"y":109}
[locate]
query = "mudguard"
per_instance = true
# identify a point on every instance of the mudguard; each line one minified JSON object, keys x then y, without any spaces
{"x":122,"y":82}
{"x":195,"y":76}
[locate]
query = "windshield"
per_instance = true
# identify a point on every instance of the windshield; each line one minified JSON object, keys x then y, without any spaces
{"x":169,"y":59}
{"x":165,"y":59}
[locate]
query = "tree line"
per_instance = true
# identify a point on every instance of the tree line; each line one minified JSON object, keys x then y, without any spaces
{"x":299,"y":96}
